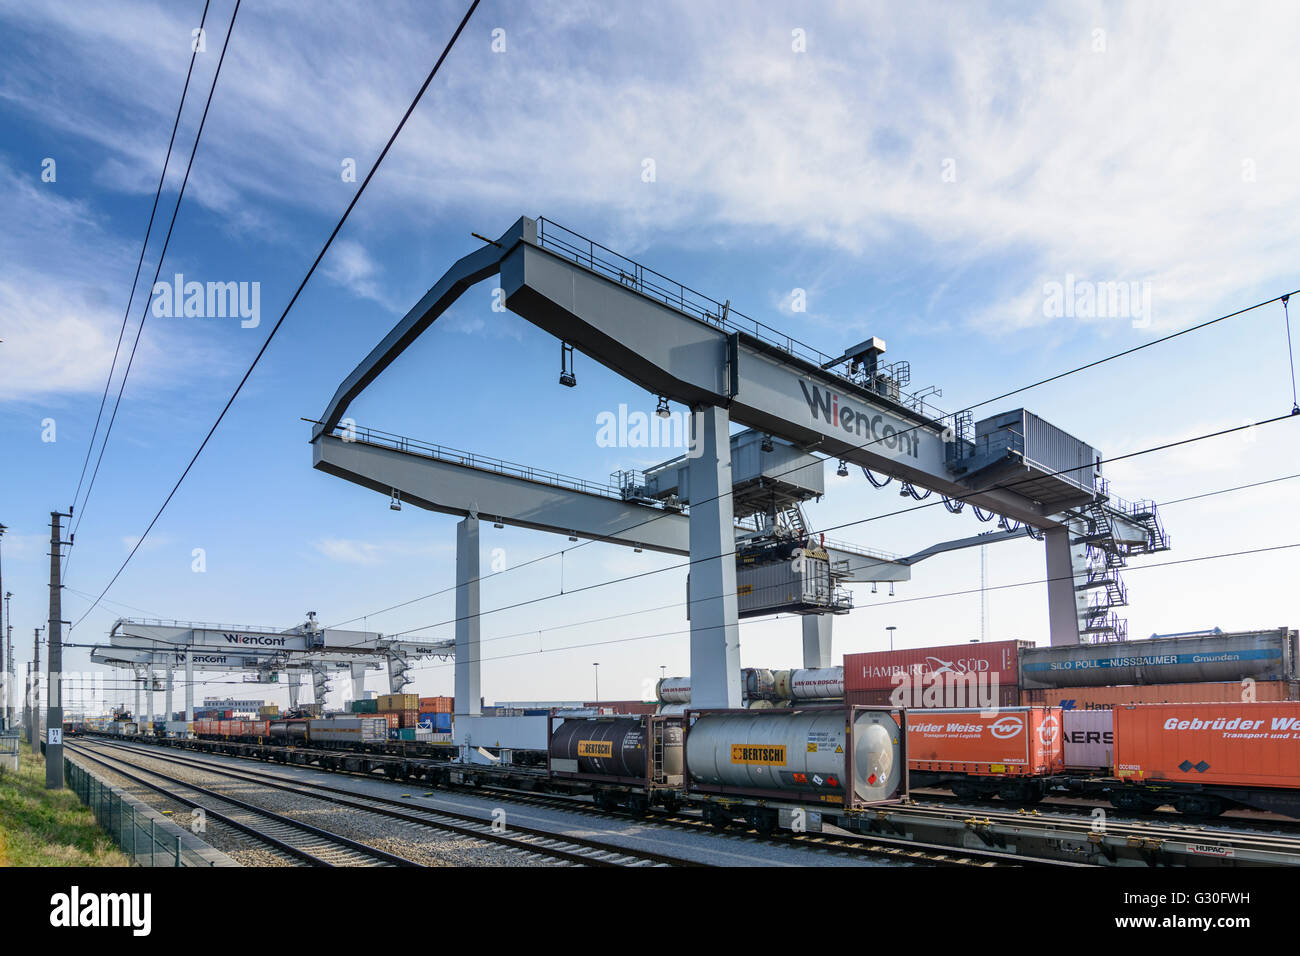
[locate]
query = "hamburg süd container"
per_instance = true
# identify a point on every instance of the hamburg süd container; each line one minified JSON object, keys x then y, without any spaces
{"x":992,"y":661}
{"x":1242,"y":745}
{"x":1018,"y":741}
{"x":851,"y":756}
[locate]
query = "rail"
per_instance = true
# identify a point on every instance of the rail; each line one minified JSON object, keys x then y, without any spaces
{"x":654,"y":285}
{"x":140,"y":833}
{"x":456,"y":456}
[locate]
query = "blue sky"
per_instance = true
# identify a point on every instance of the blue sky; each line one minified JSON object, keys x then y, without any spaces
{"x":921,"y":172}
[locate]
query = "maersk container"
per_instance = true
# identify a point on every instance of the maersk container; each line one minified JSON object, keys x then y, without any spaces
{"x":847,"y":756}
{"x":1089,"y":739}
{"x":1259,"y":655}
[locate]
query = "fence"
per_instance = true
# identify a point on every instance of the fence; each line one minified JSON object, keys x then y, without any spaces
{"x":144,"y":835}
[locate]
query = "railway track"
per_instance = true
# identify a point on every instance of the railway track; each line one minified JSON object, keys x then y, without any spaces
{"x":569,"y":849}
{"x":896,"y":850}
{"x":300,"y":841}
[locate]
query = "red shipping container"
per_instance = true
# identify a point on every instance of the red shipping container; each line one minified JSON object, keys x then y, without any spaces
{"x":393,"y":717}
{"x":1020,"y":741}
{"x":1206,"y":692}
{"x":1005,"y":697}
{"x":877,"y":670}
{"x":437,"y":705}
{"x":1249,"y":745}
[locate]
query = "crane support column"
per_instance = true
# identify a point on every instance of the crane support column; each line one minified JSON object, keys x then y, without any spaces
{"x":168,"y":699}
{"x":715,"y":629}
{"x":1062,"y":599}
{"x":189,"y":688}
{"x":358,"y":681}
{"x":468,"y":694}
{"x":139,"y":677}
{"x":817,"y":640}
{"x":295,"y":685}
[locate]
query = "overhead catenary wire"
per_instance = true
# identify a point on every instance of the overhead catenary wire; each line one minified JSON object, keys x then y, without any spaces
{"x":888,"y":603}
{"x":130,"y":360}
{"x":292,"y":300}
{"x":918,"y":507}
{"x":1008,"y":394}
{"x":162,"y":178}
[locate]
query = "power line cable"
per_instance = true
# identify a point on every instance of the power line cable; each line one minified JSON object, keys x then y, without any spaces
{"x":280,"y":321}
{"x":1024,"y":388}
{"x":162,"y":177}
{"x":117,"y":404}
{"x":890,"y":514}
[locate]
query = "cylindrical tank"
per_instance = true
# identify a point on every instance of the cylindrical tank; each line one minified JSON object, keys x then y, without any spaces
{"x":800,"y":751}
{"x":672,"y":710}
{"x":816,"y":683}
{"x":674,"y":690}
{"x":759,"y":683}
{"x":614,"y":746}
{"x":760,"y":705}
{"x":288,"y":731}
{"x":1259,"y":655}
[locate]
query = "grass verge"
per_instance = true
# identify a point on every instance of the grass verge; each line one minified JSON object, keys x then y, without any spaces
{"x":40,"y":827}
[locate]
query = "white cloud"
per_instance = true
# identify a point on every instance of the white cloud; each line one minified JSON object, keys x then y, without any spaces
{"x":353,"y":551}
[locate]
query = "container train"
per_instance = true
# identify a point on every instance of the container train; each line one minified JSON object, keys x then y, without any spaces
{"x":353,"y":731}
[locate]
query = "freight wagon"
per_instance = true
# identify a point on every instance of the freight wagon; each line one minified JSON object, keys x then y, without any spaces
{"x":1204,"y":757}
{"x":1012,"y":753}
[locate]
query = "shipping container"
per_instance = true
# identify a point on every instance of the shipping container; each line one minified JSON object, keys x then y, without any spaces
{"x":1021,"y":741}
{"x":1089,"y":737}
{"x":933,"y":698}
{"x":369,"y":706}
{"x":393,"y":718}
{"x":981,"y":663}
{"x":630,"y":707}
{"x":1259,"y":655}
{"x":436,"y":722}
{"x":347,"y":730}
{"x":437,"y":705}
{"x":1083,"y":698}
{"x":1237,"y":744}
{"x":398,"y":702}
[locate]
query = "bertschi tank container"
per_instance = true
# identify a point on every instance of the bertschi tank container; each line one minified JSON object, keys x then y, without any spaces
{"x":1236,"y":745}
{"x":1020,"y":741}
{"x":1259,"y":655}
{"x":846,"y":756}
{"x":618,"y":748}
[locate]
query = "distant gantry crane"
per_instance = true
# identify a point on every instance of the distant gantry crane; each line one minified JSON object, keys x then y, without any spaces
{"x":146,"y":647}
{"x":733,"y":504}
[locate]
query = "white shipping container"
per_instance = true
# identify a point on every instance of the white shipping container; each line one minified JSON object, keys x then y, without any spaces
{"x":1089,"y":739}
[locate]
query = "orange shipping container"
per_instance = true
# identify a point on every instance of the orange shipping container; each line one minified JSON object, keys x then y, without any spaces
{"x":1252,"y":745}
{"x":436,"y":705}
{"x":394,"y":719}
{"x":1017,"y":741}
{"x":1206,"y":692}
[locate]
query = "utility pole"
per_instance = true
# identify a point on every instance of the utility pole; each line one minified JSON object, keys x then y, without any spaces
{"x":33,"y":734}
{"x":54,"y":718}
{"x":4,"y":674}
{"x":11,"y":675}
